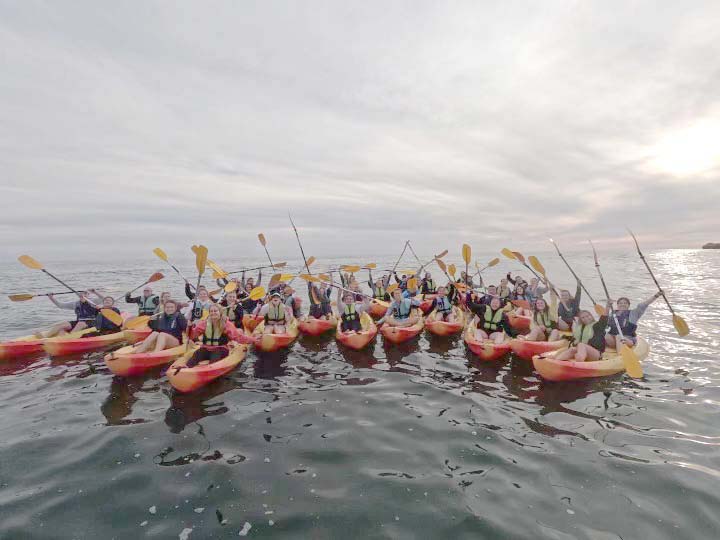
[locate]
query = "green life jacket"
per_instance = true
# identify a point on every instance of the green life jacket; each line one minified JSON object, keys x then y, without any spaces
{"x":429,"y":286}
{"x":275,"y":314}
{"x":492,"y":320}
{"x":543,"y":319}
{"x":583,"y":333}
{"x":214,"y":336}
{"x":147,"y":305}
{"x":379,"y":292}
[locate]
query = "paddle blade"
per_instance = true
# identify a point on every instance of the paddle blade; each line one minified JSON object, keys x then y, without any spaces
{"x":216,"y":269}
{"x":137,"y":322}
{"x":324,"y":277}
{"x":20,"y":297}
{"x":631,"y":361}
{"x":201,"y":259}
{"x":261,"y":237}
{"x":521,"y":304}
{"x":280,"y":265}
{"x":371,"y":266}
{"x":205,"y":314}
{"x":441,"y":255}
{"x":519,"y":256}
{"x":441,"y":264}
{"x":408,"y":272}
{"x":600,"y":310}
{"x":161,"y":254}
{"x":230,"y":287}
{"x":392,"y":287}
{"x":350,"y":269}
{"x":157,"y":276}
{"x":466,"y":253}
{"x":494,"y":262}
{"x":451,"y":270}
{"x":275,"y":280}
{"x":311,"y":260}
{"x":509,"y":254}
{"x":680,"y":325}
{"x":412,"y":284}
{"x":382,"y":303}
{"x":218,"y":275}
{"x":194,"y":249}
{"x":111,"y":316}
{"x":28,"y":261}
{"x":308,"y":277}
{"x":286,"y":277}
{"x":257,"y":293}
{"x":535,"y":263}
{"x":461,"y":287}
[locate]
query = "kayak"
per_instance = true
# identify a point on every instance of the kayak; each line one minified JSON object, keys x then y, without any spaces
{"x":187,"y":379}
{"x":400,"y":334}
{"x":126,"y":362}
{"x":486,"y":349}
{"x":250,"y":322}
{"x":314,"y":327}
{"x":137,"y":335}
{"x":20,"y":347}
{"x":443,"y":328}
{"x":358,"y":340}
{"x":274,"y":342}
{"x":72,"y":344}
{"x":520,"y":323}
{"x":426,"y":303}
{"x":527,"y":349}
{"x":609,"y":364}
{"x":377,"y":310}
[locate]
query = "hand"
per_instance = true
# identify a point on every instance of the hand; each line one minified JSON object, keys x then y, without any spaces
{"x":51,"y":296}
{"x":92,"y":291}
{"x":659,"y":293}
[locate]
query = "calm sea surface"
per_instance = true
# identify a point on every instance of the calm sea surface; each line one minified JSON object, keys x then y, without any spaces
{"x":413,"y":441}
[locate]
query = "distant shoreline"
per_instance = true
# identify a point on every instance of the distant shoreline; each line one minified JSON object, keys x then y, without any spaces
{"x":712,"y":245}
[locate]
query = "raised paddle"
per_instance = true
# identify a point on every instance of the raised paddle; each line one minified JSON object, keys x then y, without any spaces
{"x":157,"y":276}
{"x":680,"y":325}
{"x":261,"y":237}
{"x":452,"y":270}
{"x":401,"y":256}
{"x":112,"y":316}
{"x":414,"y":254}
{"x":31,"y":263}
{"x":23,"y":297}
{"x":444,"y":268}
{"x":302,"y":252}
{"x":276,"y":266}
{"x":162,"y":255}
{"x":630,"y":359}
{"x":382,"y":303}
{"x":574,"y":274}
{"x":467,"y":256}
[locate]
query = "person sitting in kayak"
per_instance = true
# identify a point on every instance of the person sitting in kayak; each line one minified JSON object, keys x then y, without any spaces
{"x":147,"y":302}
{"x":217,"y":334}
{"x":276,"y":314}
{"x":401,"y":281}
{"x":588,"y":338}
{"x":519,"y":280}
{"x":464,"y":278}
{"x":534,"y":290}
{"x":379,"y":287}
{"x":85,"y":313}
{"x":490,"y":320}
{"x":320,"y":301}
{"x":233,"y":309}
{"x":102,"y":324}
{"x":503,"y":291}
{"x":489,"y":295}
{"x":569,"y":307}
{"x":521,"y":301}
{"x":628,"y":320}
{"x":400,"y":312}
{"x":290,"y":300}
{"x":428,"y":285}
{"x":411,"y":288}
{"x":442,"y":304}
{"x":164,"y":297}
{"x":350,"y":311}
{"x":167,"y":329}
{"x":249,"y":305}
{"x":543,"y":326}
{"x":200,"y":304}
{"x":250,"y":281}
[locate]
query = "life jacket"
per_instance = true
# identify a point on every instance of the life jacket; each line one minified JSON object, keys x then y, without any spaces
{"x":275,"y":314}
{"x":628,"y":329}
{"x":442,"y":304}
{"x":492,"y":320}
{"x":583,"y":333}
{"x":170,"y":325}
{"x":103,"y":323}
{"x":429,"y":286}
{"x":350,"y":318}
{"x":84,"y":311}
{"x":543,"y":319}
{"x":504,"y":292}
{"x":379,"y":292}
{"x":147,"y":305}
{"x":402,"y":310}
{"x":198,"y":308}
{"x":214,"y":336}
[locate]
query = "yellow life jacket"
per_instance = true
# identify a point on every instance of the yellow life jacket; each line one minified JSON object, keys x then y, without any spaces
{"x":492,"y":320}
{"x":583,"y":333}
{"x":275,"y":314}
{"x":213,"y":336}
{"x":543,"y":319}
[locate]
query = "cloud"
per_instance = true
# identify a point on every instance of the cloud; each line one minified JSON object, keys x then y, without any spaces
{"x":150,"y":124}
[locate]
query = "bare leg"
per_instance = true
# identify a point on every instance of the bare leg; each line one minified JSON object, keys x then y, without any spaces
{"x":536,"y":334}
{"x":554,"y":335}
{"x":562,"y":325}
{"x":567,"y":354}
{"x":147,"y":343}
{"x":55,"y":330}
{"x":610,"y":341}
{"x":481,"y":335}
{"x":586,"y":353}
{"x":165,"y":341}
{"x":497,"y":337}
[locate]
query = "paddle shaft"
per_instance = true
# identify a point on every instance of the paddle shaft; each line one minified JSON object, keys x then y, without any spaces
{"x":573,"y":273}
{"x":61,"y":282}
{"x":401,"y":255}
{"x":651,"y":274}
{"x":414,"y":254}
{"x":307,"y":267}
{"x":251,"y":269}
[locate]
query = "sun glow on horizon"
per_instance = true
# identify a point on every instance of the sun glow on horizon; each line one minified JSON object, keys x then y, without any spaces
{"x":689,"y":151}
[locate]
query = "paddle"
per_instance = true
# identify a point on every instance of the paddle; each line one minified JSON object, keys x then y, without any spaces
{"x":162,"y":255}
{"x":302,"y":252}
{"x":444,"y":268}
{"x":574,"y":274}
{"x":157,"y":276}
{"x":401,"y":255}
{"x":375,"y":300}
{"x":467,"y":256}
{"x":200,"y":263}
{"x":630,"y":359}
{"x":261,"y":237}
{"x":440,"y":256}
{"x":31,"y":263}
{"x":414,"y":254}
{"x":112,"y":316}
{"x":23,"y":297}
{"x":276,"y":266}
{"x":452,"y":270}
{"x":680,"y":325}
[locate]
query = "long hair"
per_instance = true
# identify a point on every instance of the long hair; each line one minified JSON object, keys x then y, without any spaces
{"x":223,"y":318}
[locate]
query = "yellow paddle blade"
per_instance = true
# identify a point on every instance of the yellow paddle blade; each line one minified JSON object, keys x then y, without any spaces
{"x":201,"y":259}
{"x":600,"y":310}
{"x":521,"y":304}
{"x":261,"y":237}
{"x":137,"y":322}
{"x":371,"y":266}
{"x":509,"y":254}
{"x":311,"y":260}
{"x":631,"y":361}
{"x":308,"y":277}
{"x":280,"y":265}
{"x":461,"y":287}
{"x":111,"y":316}
{"x":216,"y":269}
{"x":194,"y":249}
{"x":218,"y":275}
{"x":407,"y":272}
{"x":466,"y":253}
{"x":350,"y":268}
{"x":257,"y":293}
{"x":275,"y":280}
{"x":161,"y":254}
{"x":286,"y":277}
{"x":412,"y":284}
{"x":451,"y":270}
{"x":205,"y":314}
{"x":20,"y":297}
{"x":519,"y":256}
{"x":445,"y":252}
{"x":441,"y":264}
{"x":392,"y":287}
{"x":680,"y":325}
{"x":216,"y":291}
{"x":535,"y":263}
{"x":493,"y":262}
{"x":28,"y":261}
{"x":157,"y":276}
{"x":324,"y":277}
{"x":382,"y":303}
{"x":230,"y":287}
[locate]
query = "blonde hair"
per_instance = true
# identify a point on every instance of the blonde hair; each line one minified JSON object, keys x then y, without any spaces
{"x":223,"y":316}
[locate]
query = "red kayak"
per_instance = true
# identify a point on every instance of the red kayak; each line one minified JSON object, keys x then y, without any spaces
{"x":250,"y":322}
{"x":519,"y":323}
{"x":527,"y":349}
{"x":486,"y":349}
{"x":314,"y":327}
{"x":377,"y":310}
{"x":67,"y":345}
{"x":20,"y":347}
{"x":127,"y":363}
{"x":400,"y":334}
{"x":358,"y":340}
{"x":187,"y":379}
{"x":443,"y":328}
{"x":136,"y":335}
{"x":274,"y":342}
{"x":426,"y":303}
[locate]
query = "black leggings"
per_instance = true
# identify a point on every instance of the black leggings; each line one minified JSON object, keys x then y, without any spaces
{"x":202,"y":354}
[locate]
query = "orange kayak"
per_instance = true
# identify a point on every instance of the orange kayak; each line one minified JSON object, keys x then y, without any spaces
{"x":71,"y":344}
{"x":519,"y":322}
{"x":377,"y":310}
{"x":127,"y":363}
{"x":567,"y":370}
{"x":486,"y":349}
{"x":274,"y":342}
{"x":358,"y":340}
{"x":527,"y":349}
{"x":443,"y":328}
{"x":20,"y":347}
{"x":400,"y":334}
{"x":426,"y":303}
{"x":136,"y":335}
{"x":314,"y":327}
{"x":250,"y":322}
{"x":187,"y":379}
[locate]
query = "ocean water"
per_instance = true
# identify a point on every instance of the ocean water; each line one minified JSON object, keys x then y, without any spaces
{"x":420,"y":440}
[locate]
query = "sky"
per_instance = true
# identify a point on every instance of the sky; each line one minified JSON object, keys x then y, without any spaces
{"x":131,"y":125}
